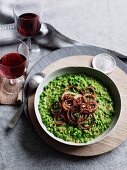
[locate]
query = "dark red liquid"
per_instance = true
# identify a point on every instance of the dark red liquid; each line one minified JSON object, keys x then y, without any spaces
{"x":28,"y":24}
{"x":13,"y":65}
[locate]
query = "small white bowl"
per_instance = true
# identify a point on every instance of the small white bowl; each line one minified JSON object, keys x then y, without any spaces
{"x":104,"y":62}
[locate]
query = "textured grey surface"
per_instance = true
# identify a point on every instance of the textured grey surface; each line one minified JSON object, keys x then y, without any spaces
{"x":101,"y":23}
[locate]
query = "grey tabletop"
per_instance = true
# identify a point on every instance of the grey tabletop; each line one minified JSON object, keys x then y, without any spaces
{"x":99,"y":23}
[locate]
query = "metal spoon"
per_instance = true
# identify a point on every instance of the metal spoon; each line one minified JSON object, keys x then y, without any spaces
{"x":33,"y":83}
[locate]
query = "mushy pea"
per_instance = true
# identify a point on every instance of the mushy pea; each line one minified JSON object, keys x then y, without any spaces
{"x":103,"y":114}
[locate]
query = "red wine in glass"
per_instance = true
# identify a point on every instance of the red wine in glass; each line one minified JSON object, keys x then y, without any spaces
{"x":28,"y":20}
{"x":28,"y":24}
{"x":13,"y":65}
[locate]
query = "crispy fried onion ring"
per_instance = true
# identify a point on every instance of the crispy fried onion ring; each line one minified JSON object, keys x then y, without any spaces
{"x":75,"y":107}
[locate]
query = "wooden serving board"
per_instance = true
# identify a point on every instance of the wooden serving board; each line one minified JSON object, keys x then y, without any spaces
{"x":118,"y":134}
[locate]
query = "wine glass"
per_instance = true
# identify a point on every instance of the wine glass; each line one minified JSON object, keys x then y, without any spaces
{"x":28,"y":16}
{"x":13,"y":64}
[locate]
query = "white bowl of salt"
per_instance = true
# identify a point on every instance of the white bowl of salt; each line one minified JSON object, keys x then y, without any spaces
{"x":104,"y":62}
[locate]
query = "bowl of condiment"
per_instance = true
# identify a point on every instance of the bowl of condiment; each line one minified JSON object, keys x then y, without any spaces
{"x":104,"y":62}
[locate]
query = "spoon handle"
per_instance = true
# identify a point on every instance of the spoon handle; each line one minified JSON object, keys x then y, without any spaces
{"x":17,"y":115}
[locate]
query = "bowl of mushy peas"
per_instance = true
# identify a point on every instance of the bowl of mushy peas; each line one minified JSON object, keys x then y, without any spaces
{"x":77,"y":105}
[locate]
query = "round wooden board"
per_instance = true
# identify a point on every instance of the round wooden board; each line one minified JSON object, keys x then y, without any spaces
{"x":118,"y":134}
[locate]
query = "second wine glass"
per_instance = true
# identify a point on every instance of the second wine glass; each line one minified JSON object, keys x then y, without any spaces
{"x":13,"y":65}
{"x":28,"y":18}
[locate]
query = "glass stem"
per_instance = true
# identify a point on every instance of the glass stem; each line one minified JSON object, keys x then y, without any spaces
{"x":29,"y":42}
{"x":17,"y":80}
{"x":13,"y":81}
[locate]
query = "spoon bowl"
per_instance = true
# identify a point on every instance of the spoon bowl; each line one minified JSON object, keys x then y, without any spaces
{"x":34,"y":81}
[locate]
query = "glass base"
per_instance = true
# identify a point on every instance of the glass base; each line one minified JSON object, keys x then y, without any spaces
{"x":12,"y":86}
